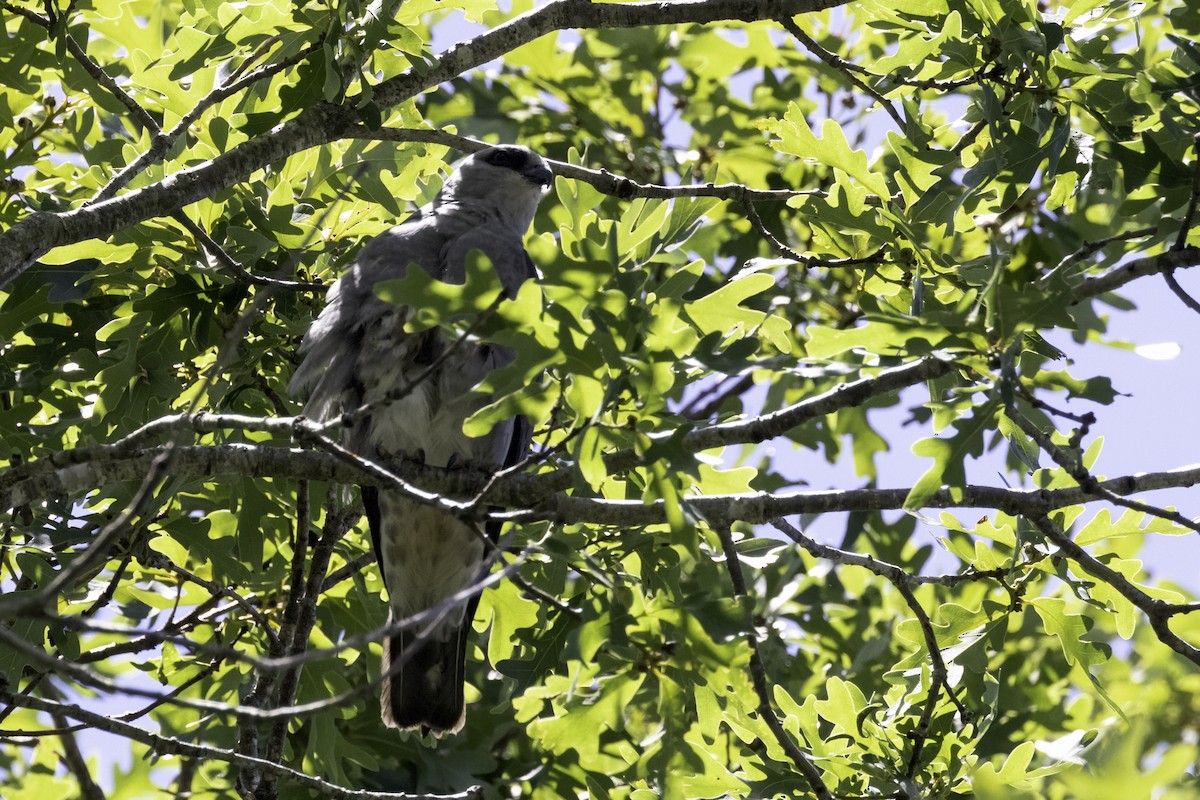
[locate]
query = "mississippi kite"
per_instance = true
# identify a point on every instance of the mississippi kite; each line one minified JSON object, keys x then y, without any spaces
{"x":357,"y":352}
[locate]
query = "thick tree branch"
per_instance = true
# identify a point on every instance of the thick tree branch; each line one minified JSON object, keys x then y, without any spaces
{"x":75,"y":470}
{"x":531,"y":499}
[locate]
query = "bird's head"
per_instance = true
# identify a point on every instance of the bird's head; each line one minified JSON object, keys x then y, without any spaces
{"x":508,"y":180}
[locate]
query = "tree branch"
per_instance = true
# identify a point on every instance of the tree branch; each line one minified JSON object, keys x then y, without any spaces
{"x":42,"y":231}
{"x":601,"y":179}
{"x":1117,"y":277}
{"x":1072,"y":463}
{"x":336,"y":526}
{"x":531,"y":499}
{"x":1189,"y":214}
{"x":1158,"y":612}
{"x":1089,"y":249}
{"x":163,"y":141}
{"x":1178,"y":291}
{"x":841,"y":65}
{"x":169,"y":745}
{"x":290,"y":661}
{"x":91,"y":67}
{"x":236,"y":267}
{"x":71,"y":471}
{"x":903,"y":581}
{"x":75,"y":762}
{"x":758,"y":673}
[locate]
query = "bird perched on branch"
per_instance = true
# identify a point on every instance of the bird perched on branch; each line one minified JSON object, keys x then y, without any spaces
{"x":357,"y":354}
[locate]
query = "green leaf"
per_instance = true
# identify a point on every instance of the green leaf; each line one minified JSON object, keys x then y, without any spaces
{"x":722,"y":311}
{"x":949,"y":455}
{"x":1069,"y":629}
{"x":830,"y":149}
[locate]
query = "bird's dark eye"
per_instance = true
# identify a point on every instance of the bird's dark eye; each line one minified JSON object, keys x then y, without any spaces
{"x":507,"y":157}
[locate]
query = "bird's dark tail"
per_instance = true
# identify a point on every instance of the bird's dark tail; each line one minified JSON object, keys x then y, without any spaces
{"x":425,"y":689}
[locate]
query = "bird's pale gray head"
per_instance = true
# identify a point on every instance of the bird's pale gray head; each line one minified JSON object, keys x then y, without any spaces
{"x":506,"y":180}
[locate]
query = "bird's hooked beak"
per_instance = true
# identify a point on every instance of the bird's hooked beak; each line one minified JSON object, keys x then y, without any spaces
{"x":539,"y":174}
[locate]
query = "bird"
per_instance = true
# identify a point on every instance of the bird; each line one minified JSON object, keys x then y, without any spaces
{"x":357,"y":354}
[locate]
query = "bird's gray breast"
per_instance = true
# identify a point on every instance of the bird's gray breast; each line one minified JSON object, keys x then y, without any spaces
{"x":420,"y":385}
{"x":422,"y":389}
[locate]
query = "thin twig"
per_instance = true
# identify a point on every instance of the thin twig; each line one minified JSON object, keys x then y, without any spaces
{"x":98,"y":550}
{"x":1072,"y":463}
{"x":168,"y":745}
{"x":1085,"y":420}
{"x":714,"y":397}
{"x":128,"y":716}
{"x":1185,"y":227}
{"x":138,"y":640}
{"x":347,"y":570}
{"x":758,"y":674}
{"x":756,"y":220}
{"x":163,"y":142}
{"x":884,"y":569}
{"x":809,"y":261}
{"x":110,"y":591}
{"x":841,"y":65}
{"x":291,"y":661}
{"x":787,"y":252}
{"x":1179,"y":291}
{"x":221,"y":255}
{"x":91,"y":67}
{"x":263,"y":694}
{"x":1091,"y":248}
{"x":217,"y":590}
{"x":1189,"y":215}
